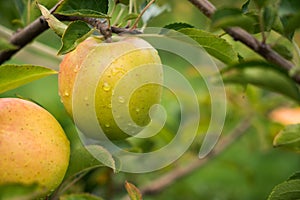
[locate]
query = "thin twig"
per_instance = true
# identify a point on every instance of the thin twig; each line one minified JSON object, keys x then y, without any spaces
{"x":141,"y":14}
{"x":166,"y":180}
{"x":246,"y":38}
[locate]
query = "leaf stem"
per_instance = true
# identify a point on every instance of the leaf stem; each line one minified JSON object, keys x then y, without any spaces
{"x":141,"y":14}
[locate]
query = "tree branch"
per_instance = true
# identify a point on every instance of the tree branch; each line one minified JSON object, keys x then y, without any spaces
{"x":23,"y":37}
{"x":166,"y":180}
{"x":246,"y":38}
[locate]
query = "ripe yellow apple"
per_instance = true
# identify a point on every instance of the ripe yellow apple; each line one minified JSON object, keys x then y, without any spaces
{"x":33,"y":146}
{"x":115,"y":60}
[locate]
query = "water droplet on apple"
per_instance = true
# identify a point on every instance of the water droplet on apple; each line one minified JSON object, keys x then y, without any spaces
{"x":66,"y":94}
{"x":106,"y":86}
{"x":121,"y":99}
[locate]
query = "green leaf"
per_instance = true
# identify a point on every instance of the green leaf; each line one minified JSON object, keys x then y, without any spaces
{"x":6,"y":45}
{"x":289,"y":137}
{"x":133,"y":192}
{"x":57,"y":26}
{"x":263,"y":75}
{"x":292,"y":24}
{"x":245,"y":6}
{"x":16,"y":191}
{"x":87,"y":8}
{"x":75,"y":33}
{"x":13,"y":76}
{"x":130,"y":16}
{"x":178,"y":25}
{"x":84,"y":158}
{"x":288,"y":13}
{"x":288,"y":190}
{"x":214,"y":45}
{"x":269,"y":16}
{"x":230,"y":17}
{"x":79,"y":197}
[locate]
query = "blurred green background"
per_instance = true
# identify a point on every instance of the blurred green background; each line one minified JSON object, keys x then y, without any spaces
{"x":249,"y":169}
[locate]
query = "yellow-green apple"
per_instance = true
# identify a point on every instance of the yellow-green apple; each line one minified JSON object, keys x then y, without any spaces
{"x":33,"y":145}
{"x":125,"y":62}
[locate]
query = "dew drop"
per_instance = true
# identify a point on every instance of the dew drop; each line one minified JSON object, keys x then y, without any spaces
{"x":121,"y":99}
{"x":66,"y":94}
{"x":106,"y":87}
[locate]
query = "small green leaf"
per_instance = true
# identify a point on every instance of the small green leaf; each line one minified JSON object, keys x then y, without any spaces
{"x":245,"y":6}
{"x":214,"y":45}
{"x":269,"y":16}
{"x":79,"y":197}
{"x":84,"y":158}
{"x":57,"y":26}
{"x":288,"y":190}
{"x":292,"y":23}
{"x":178,"y":25}
{"x":289,"y":137}
{"x":133,"y":192}
{"x":230,"y":17}
{"x":87,"y":8}
{"x":6,"y":45}
{"x":19,"y":191}
{"x":13,"y":76}
{"x":130,"y":16}
{"x":75,"y":33}
{"x":263,"y":75}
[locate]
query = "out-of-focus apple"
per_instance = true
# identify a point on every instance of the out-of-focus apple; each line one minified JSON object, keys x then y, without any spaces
{"x":33,"y":145}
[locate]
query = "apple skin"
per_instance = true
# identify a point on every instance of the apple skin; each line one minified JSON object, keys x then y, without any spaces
{"x":114,"y":60}
{"x":33,"y":145}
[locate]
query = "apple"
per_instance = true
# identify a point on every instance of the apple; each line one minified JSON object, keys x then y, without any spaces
{"x":33,"y":145}
{"x":123,"y":59}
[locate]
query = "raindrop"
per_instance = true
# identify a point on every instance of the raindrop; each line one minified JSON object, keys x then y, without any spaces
{"x":121,"y":99}
{"x":106,"y":87}
{"x":66,"y":94}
